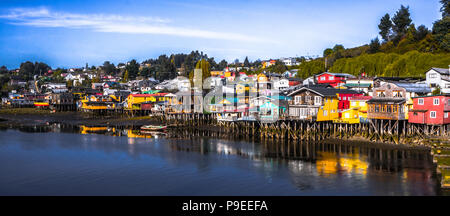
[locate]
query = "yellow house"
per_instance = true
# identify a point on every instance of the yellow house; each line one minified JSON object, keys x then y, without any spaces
{"x":228,"y":73}
{"x":329,"y":110}
{"x":357,"y":112}
{"x":134,"y":101}
{"x":262,"y":78}
{"x":217,"y":73}
{"x":95,"y":102}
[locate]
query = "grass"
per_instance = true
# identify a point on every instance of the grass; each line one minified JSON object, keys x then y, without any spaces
{"x":443,"y":161}
{"x":445,"y":176}
{"x":139,"y":118}
{"x":443,"y":152}
{"x":22,"y":111}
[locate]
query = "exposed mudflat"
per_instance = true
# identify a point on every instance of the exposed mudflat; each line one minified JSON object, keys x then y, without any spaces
{"x":74,"y":118}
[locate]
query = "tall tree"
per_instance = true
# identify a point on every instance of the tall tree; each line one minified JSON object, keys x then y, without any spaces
{"x":374,"y":45}
{"x":222,"y":64}
{"x":108,"y":68}
{"x":327,"y":52}
{"x":3,"y":70}
{"x":421,"y":33}
{"x":125,"y":76}
{"x":401,"y":21}
{"x":385,"y":27}
{"x":206,"y":70}
{"x":441,"y":32}
{"x":445,"y":9}
{"x":132,"y":69}
{"x":246,"y":62}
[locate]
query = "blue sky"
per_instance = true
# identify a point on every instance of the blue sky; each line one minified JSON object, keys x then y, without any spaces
{"x":73,"y":33}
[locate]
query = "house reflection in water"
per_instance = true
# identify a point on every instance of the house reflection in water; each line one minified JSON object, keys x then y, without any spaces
{"x":331,"y":163}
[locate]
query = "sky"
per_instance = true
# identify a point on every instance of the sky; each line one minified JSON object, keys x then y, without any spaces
{"x":73,"y":33}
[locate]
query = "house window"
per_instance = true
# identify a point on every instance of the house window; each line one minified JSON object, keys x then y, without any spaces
{"x":420,"y":101}
{"x":317,"y":100}
{"x":347,"y":115}
{"x":353,"y":103}
{"x":331,"y":78}
{"x":322,"y":78}
{"x":436,"y":101}
{"x":345,"y":98}
{"x":298,"y":99}
{"x":446,"y":115}
{"x":381,"y":94}
{"x":308,"y":99}
{"x":433,"y":114}
{"x":325,"y":113}
{"x":432,"y":75}
{"x":398,"y":94}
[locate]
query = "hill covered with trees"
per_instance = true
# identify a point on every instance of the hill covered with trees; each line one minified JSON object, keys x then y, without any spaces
{"x":404,"y":50}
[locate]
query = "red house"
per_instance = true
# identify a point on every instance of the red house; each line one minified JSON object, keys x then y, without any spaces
{"x":294,"y":81}
{"x":344,"y":98}
{"x":334,"y":79}
{"x":431,"y":110}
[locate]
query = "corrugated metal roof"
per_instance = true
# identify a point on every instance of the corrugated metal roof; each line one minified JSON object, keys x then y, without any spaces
{"x":364,"y":85}
{"x":414,"y":87}
{"x":326,"y":91}
{"x":442,"y":70}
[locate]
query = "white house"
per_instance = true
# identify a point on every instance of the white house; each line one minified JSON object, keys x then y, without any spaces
{"x":289,"y":61}
{"x":439,"y":77}
{"x":280,"y":83}
{"x":309,"y":81}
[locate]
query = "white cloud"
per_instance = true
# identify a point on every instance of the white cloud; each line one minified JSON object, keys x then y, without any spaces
{"x":42,"y":17}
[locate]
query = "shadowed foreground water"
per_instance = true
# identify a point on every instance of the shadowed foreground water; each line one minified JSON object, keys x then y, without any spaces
{"x":55,"y":163}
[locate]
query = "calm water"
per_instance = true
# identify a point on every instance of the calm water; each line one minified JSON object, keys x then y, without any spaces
{"x":68,"y":163}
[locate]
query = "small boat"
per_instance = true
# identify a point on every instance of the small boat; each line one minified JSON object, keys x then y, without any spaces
{"x":153,"y":128}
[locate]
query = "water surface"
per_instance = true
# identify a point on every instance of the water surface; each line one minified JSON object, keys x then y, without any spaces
{"x":61,"y":163}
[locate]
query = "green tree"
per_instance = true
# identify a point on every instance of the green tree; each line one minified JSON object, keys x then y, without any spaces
{"x":145,"y":72}
{"x":3,"y":70}
{"x":125,"y":76}
{"x":437,"y":91}
{"x":421,"y":33}
{"x":401,"y":22}
{"x":204,"y":65}
{"x":374,"y":45}
{"x":69,"y":83}
{"x":279,"y":67}
{"x":109,"y":68}
{"x":385,"y":27}
{"x":133,"y":69}
{"x":338,"y":47}
{"x":441,"y":30}
{"x":445,"y":9}
{"x":246,"y":62}
{"x":222,"y":64}
{"x":327,"y":52}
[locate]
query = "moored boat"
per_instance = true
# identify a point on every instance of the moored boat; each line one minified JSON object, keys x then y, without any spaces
{"x":153,"y":128}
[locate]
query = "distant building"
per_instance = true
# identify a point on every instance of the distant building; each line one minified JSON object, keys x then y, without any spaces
{"x":360,"y":84}
{"x":439,"y":77}
{"x":334,"y":79}
{"x":290,"y":61}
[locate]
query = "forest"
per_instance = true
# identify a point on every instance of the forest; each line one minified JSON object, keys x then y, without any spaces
{"x":405,"y":51}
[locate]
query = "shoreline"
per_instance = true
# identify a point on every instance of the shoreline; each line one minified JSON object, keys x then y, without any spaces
{"x":28,"y":118}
